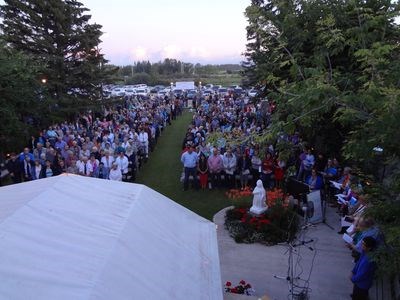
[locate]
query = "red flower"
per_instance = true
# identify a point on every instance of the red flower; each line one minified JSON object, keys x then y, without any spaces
{"x":234,"y":291}
{"x":248,"y":286}
{"x":228,"y":283}
{"x":242,"y":282}
{"x":265,"y":221}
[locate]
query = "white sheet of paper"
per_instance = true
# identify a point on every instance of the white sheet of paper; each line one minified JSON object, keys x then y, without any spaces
{"x":347,"y":238}
{"x":335,"y":184}
{"x":350,"y":229}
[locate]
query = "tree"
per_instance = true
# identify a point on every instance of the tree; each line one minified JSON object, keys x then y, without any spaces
{"x":58,"y":34}
{"x":22,"y":99}
{"x":333,"y":68}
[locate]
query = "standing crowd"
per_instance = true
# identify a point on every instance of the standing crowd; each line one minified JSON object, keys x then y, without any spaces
{"x":112,"y":145}
{"x":219,"y":151}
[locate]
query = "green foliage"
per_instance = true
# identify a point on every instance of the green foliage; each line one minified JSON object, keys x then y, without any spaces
{"x":163,"y":72}
{"x":22,"y":99}
{"x":58,"y":34}
{"x":333,"y":69}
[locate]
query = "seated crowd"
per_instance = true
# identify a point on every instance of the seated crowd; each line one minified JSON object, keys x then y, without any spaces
{"x":109,"y":146}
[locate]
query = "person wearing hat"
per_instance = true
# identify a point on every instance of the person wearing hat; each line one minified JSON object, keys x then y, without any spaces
{"x":362,"y":275}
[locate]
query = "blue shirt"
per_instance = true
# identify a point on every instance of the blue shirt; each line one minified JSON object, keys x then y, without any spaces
{"x":189,"y":160}
{"x":363,"y":272}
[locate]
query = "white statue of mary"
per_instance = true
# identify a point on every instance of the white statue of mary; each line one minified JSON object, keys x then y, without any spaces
{"x":259,"y":199}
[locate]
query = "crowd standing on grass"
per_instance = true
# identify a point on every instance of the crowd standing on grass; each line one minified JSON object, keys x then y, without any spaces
{"x":235,"y":160}
{"x":112,"y":145}
{"x":115,"y":144}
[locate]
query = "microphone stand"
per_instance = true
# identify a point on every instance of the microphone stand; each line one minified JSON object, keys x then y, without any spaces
{"x":290,"y":272}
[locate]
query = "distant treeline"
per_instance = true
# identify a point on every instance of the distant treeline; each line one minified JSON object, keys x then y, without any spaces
{"x":172,"y":69}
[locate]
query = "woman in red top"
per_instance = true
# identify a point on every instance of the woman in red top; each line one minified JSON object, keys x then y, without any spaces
{"x":279,"y":171}
{"x":202,"y":168}
{"x":267,"y":170}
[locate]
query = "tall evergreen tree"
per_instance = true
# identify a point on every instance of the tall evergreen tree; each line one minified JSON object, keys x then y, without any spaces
{"x":58,"y":34}
{"x":22,"y":100}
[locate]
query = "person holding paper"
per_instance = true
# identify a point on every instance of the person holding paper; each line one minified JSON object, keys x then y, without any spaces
{"x":354,"y":214}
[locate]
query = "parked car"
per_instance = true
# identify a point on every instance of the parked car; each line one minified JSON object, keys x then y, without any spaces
{"x":178,"y":92}
{"x":238,"y":92}
{"x":118,"y":92}
{"x":222,"y":92}
{"x":156,"y":89}
{"x":191,"y":94}
{"x":130,"y":92}
{"x":142,"y":92}
{"x":252,"y":93}
{"x":215,"y":88}
{"x":208,"y":93}
{"x":162,"y":93}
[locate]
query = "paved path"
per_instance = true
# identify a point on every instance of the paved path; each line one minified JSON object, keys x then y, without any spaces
{"x":257,"y":264}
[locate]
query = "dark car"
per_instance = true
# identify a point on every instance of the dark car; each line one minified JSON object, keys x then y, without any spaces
{"x":178,"y":92}
{"x":191,"y":94}
{"x":238,"y":92}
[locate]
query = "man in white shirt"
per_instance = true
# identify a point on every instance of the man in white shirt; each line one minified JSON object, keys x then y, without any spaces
{"x":144,"y":141}
{"x":123,"y":163}
{"x":229,"y":161}
{"x":189,"y":161}
{"x":85,"y":167}
{"x":125,"y":143}
{"x":115,"y":173}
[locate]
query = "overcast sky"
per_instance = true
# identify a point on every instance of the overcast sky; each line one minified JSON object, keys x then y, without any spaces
{"x":197,"y":31}
{"x":201,"y":31}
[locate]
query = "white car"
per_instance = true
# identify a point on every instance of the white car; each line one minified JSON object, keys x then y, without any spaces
{"x":130,"y":92}
{"x":208,"y":93}
{"x":162,"y":93}
{"x":252,"y":93}
{"x":117,"y":92}
{"x":222,"y":92}
{"x":142,"y":92}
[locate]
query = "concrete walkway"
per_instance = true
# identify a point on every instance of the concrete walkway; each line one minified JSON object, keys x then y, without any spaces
{"x":257,"y":264}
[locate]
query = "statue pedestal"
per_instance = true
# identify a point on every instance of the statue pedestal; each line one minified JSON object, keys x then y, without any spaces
{"x":258,"y":210}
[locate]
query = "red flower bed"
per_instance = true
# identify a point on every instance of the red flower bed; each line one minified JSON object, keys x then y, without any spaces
{"x":268,"y":228}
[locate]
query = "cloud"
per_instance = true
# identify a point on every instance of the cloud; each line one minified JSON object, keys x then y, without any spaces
{"x":192,"y":54}
{"x":140,"y":53}
{"x":198,"y":52}
{"x":171,"y":51}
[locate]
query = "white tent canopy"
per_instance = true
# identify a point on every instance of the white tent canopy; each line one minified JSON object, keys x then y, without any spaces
{"x":72,"y":237}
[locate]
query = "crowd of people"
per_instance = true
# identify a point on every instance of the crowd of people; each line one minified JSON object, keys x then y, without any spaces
{"x":218,"y":151}
{"x":111,"y":145}
{"x":234,"y":160}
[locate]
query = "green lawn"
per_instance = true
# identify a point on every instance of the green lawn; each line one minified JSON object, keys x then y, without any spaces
{"x":162,"y":173}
